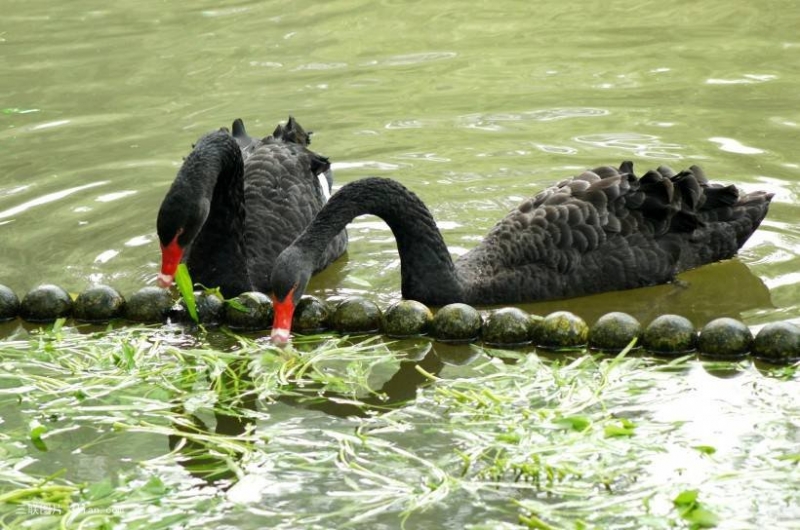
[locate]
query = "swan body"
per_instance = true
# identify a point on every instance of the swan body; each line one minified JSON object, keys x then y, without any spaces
{"x":602,"y":230}
{"x":237,"y":202}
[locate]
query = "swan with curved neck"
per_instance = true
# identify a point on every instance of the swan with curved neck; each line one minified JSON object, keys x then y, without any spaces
{"x":237,"y":202}
{"x":603,"y":230}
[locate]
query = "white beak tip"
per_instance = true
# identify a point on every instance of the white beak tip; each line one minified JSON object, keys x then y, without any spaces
{"x":280,"y":335}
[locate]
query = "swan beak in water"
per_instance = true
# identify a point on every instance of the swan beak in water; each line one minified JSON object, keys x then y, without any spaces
{"x":170,"y":259}
{"x":165,"y":280}
{"x":282,"y":323}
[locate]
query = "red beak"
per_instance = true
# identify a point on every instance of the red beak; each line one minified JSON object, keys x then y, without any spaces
{"x":282,"y":323}
{"x":170,"y":259}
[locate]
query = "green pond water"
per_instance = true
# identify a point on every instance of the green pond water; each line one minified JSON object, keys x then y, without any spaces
{"x":474,"y":106}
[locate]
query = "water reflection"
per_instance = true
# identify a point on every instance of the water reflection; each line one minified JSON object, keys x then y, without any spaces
{"x":237,"y":395}
{"x":698,"y":295}
{"x":400,"y":388}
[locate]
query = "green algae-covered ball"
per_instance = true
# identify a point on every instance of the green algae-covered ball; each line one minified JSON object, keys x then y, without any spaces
{"x":249,"y":311}
{"x":725,"y":338}
{"x":407,"y":318}
{"x":614,"y":331}
{"x":311,"y":315}
{"x":149,"y":305}
{"x":356,"y":315}
{"x":669,"y":335}
{"x":778,"y":343}
{"x":562,"y":329}
{"x":534,"y":321}
{"x":210,"y":307}
{"x":45,"y":304}
{"x":507,"y":326}
{"x":99,"y":303}
{"x":456,"y":323}
{"x":9,"y":304}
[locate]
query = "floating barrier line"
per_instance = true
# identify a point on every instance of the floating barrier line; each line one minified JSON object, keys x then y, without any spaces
{"x":671,"y":335}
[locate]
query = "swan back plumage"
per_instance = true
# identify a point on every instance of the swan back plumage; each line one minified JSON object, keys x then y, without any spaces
{"x":606,"y":229}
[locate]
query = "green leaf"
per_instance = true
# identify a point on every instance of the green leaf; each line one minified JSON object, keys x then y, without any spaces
{"x":509,"y":437}
{"x":693,"y":511}
{"x":685,"y":497}
{"x":576,"y":423}
{"x":625,"y":427}
{"x":702,"y":518}
{"x":155,"y":486}
{"x":185,"y":286}
{"x":237,"y":305}
{"x":531,"y":521}
{"x":100,"y":490}
{"x":706,"y":449}
{"x":36,"y":432}
{"x":59,"y":324}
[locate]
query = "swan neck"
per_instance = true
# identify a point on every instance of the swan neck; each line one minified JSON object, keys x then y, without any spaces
{"x":427,"y":270}
{"x":216,"y":170}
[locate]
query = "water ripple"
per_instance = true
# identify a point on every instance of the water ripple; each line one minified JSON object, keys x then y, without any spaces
{"x":108,"y":197}
{"x":557,"y":149}
{"x":106,"y":256}
{"x":642,"y":145}
{"x":366,"y":164}
{"x":746,"y":79}
{"x":50,"y":197}
{"x":413,"y":58}
{"x":404,"y":124}
{"x":491,"y":121}
{"x":321,"y":66}
{"x":734,"y":146}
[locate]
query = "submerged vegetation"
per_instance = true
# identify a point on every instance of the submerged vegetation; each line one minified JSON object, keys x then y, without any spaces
{"x":156,"y":428}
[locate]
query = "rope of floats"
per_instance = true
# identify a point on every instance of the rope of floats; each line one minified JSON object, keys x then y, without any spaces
{"x":508,"y":327}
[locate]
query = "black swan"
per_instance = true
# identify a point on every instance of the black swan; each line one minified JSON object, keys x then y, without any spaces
{"x":603,"y":230}
{"x":237,"y":202}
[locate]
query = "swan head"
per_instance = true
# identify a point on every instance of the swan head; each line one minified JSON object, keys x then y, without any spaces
{"x":177,"y":226}
{"x":289,"y":280}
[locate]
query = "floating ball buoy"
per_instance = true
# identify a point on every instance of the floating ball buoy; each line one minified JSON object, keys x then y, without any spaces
{"x":778,"y":343}
{"x":407,"y":318}
{"x":356,"y":315}
{"x":248,"y":311}
{"x":311,"y":315}
{"x":670,"y":335}
{"x":507,"y":326}
{"x":562,"y":329}
{"x":45,"y":303}
{"x":456,"y":323}
{"x":725,"y":338}
{"x":210,"y":308}
{"x":148,"y":305}
{"x":614,"y":331}
{"x":722,"y":338}
{"x":99,"y":303}
{"x":9,"y":304}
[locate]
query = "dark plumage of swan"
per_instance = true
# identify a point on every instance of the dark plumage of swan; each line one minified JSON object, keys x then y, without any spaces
{"x":237,"y":202}
{"x":603,"y":230}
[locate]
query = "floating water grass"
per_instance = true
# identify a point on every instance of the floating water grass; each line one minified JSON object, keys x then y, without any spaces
{"x":152,"y":427}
